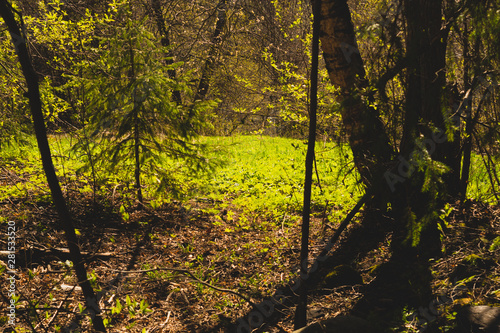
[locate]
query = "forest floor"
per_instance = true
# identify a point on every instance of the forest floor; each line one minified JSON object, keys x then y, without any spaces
{"x":189,"y":268}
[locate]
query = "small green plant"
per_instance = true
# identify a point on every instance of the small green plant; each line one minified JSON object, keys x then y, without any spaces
{"x":444,"y":213}
{"x":495,"y":244}
{"x":473,"y":259}
{"x":117,"y":308}
{"x":124,"y":214}
{"x":92,"y":276}
{"x":409,"y":321}
{"x":186,"y":248}
{"x":131,"y":305}
{"x":144,"y":307}
{"x":107,"y":322}
{"x":135,"y":307}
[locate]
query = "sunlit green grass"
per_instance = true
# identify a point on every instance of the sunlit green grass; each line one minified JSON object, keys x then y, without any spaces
{"x":266,"y":174}
{"x":259,"y":174}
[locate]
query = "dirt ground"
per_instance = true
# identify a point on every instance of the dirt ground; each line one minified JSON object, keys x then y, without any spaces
{"x":183,"y":268}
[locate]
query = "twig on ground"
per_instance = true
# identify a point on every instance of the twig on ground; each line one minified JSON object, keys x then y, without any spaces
{"x":187,"y":272}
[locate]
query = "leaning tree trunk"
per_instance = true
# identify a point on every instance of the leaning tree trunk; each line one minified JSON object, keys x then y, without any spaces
{"x":31,"y":77}
{"x":367,"y":137}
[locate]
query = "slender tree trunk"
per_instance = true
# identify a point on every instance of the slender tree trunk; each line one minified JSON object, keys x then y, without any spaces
{"x":469,"y":120}
{"x":209,"y":66}
{"x":137,"y":171}
{"x":165,"y":42}
{"x":216,"y":41}
{"x":301,"y":311}
{"x":137,"y":137}
{"x":43,"y":145}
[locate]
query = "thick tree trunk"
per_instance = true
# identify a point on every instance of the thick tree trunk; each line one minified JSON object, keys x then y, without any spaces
{"x":426,"y":121}
{"x":367,"y":137}
{"x":427,"y":109}
{"x":43,"y":145}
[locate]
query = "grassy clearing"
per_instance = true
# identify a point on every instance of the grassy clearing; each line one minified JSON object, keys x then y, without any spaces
{"x":259,"y":175}
{"x":262,"y":175}
{"x":265,"y":175}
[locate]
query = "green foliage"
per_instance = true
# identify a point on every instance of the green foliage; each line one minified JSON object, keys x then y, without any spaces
{"x":495,"y":244}
{"x":117,"y":308}
{"x":473,"y":259}
{"x":63,"y":38}
{"x":134,"y":123}
{"x":14,"y":111}
{"x":135,"y":307}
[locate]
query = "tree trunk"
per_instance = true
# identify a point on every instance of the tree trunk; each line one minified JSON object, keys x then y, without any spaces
{"x":137,"y":171}
{"x":216,"y":41}
{"x":137,"y":138}
{"x":165,"y":42}
{"x":469,"y":120}
{"x":301,"y":310}
{"x":367,"y":137}
{"x":43,"y":145}
{"x":427,"y":109}
{"x":426,"y":120}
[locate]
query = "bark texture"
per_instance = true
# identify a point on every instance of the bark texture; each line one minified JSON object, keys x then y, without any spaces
{"x":216,"y":41}
{"x":428,"y":108}
{"x":367,"y":137}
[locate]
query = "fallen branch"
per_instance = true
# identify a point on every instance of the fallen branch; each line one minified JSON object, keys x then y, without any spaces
{"x":187,"y":272}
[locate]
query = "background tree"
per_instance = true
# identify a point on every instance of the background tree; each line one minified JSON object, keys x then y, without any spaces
{"x":135,"y":121}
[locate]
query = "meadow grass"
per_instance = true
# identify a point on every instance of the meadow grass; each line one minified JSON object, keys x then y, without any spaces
{"x":259,"y":174}
{"x":266,"y":174}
